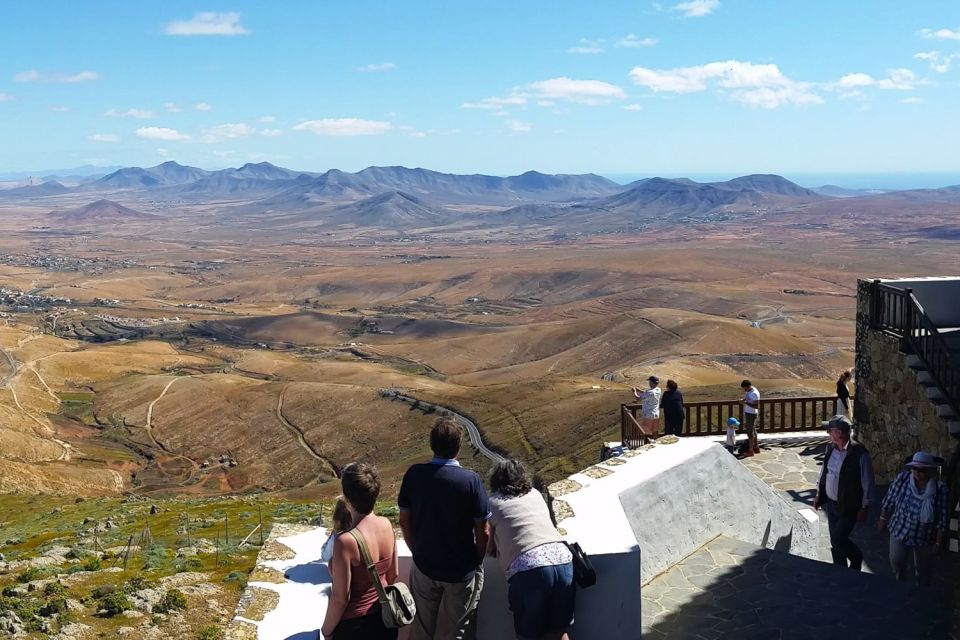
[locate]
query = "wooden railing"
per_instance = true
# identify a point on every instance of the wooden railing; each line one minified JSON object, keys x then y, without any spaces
{"x":776,"y":415}
{"x":898,"y":311}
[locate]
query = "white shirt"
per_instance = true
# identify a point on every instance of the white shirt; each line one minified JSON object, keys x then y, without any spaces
{"x":753,"y":395}
{"x":650,"y":403}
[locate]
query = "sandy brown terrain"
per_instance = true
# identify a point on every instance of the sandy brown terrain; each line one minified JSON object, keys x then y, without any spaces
{"x":239,"y":359}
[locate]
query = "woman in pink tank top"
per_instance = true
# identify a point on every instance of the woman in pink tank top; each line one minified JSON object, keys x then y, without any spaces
{"x":353,"y":612}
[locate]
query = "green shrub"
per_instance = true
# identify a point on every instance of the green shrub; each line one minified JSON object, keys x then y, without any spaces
{"x":138,"y":584}
{"x":173,"y":600}
{"x":9,"y":591}
{"x":102,"y":591}
{"x":33,"y":573}
{"x":25,"y":608}
{"x":54,"y":589}
{"x":115,"y":603}
{"x":54,"y":607}
{"x":210,"y":632}
{"x":92,"y":563}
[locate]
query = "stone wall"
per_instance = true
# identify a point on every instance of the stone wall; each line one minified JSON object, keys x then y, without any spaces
{"x":894,"y":417}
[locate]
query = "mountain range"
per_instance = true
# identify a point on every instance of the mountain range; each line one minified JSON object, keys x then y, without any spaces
{"x":401,"y":198}
{"x":100,"y":212}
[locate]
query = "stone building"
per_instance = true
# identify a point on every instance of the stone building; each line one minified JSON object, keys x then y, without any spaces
{"x":908,"y":372}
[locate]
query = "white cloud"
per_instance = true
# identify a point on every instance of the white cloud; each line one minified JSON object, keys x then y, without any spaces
{"x":940,"y":34}
{"x":519,"y":127}
{"x":899,"y":80}
{"x":416,"y":134}
{"x":696,"y":8}
{"x":632,"y":41}
{"x":163,"y":153}
{"x":267,"y":119}
{"x":141,"y":114}
{"x":104,"y":137}
{"x":271,"y":133}
{"x":60,"y":109}
{"x":5,"y":97}
{"x":853,"y":80}
{"x":162,"y":133}
{"x":171,"y":107}
{"x":223,"y":132}
{"x":208,"y":23}
{"x":383,"y":66}
{"x":344,"y":127}
{"x":582,"y":91}
{"x":758,"y":85}
{"x":587,"y":46}
{"x":203,"y":106}
{"x":912,"y":100}
{"x":32,"y":75}
{"x":633,"y":107}
{"x":938,"y":61}
{"x":495,"y":103}
{"x":546,"y":103}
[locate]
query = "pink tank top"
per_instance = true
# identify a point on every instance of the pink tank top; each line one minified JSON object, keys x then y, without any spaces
{"x":363,"y":595}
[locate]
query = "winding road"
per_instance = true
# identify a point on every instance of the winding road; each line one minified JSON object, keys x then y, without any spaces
{"x":472,"y":431}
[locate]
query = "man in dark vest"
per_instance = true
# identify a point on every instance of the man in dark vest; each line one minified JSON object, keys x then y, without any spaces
{"x":845,"y":490}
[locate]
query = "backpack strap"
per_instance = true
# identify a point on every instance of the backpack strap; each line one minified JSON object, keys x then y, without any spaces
{"x":371,"y":566}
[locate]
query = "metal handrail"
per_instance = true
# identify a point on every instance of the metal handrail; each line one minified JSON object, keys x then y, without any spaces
{"x":898,"y":311}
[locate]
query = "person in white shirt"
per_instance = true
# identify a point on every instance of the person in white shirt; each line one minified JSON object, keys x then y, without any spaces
{"x":649,"y":406}
{"x":751,"y":411}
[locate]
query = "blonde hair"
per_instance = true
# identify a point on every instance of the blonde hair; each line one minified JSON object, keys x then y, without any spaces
{"x":342,"y":520}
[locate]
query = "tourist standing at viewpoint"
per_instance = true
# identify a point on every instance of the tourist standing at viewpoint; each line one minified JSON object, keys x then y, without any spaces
{"x":672,"y":405}
{"x":916,"y":512}
{"x":649,"y":406}
{"x":751,"y":412}
{"x":843,"y":394}
{"x":537,"y":564}
{"x":443,"y":514}
{"x":845,"y":490}
{"x":353,"y":612}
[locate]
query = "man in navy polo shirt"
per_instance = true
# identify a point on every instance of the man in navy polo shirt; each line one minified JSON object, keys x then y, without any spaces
{"x":443,"y":515}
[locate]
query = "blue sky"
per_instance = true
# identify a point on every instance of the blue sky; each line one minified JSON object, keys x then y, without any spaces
{"x":689,"y":87}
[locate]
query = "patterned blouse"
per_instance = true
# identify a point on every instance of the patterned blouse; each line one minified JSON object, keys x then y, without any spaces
{"x":545,"y":555}
{"x":904,"y":507}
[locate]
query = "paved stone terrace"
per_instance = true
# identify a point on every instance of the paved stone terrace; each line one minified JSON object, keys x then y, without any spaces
{"x":733,"y":589}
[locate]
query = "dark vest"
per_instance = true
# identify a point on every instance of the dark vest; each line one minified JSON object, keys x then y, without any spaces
{"x":850,"y":488}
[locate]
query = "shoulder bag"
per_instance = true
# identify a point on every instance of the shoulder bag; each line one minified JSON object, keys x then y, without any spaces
{"x":583,"y":572}
{"x":396,"y":601}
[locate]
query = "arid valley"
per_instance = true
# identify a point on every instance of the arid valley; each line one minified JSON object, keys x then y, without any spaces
{"x":174,"y":331}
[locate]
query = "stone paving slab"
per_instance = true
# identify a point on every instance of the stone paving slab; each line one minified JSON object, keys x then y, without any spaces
{"x":732,"y":589}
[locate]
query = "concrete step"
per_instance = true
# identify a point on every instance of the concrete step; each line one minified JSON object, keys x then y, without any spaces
{"x":946,"y":411}
{"x":915,"y":363}
{"x":954,"y":427}
{"x":924,"y":378}
{"x":933,"y":391}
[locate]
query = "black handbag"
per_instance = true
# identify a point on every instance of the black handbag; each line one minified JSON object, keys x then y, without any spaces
{"x":583,"y":572}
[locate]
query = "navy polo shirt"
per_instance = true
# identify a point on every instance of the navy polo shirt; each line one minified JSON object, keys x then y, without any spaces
{"x":445,"y":501}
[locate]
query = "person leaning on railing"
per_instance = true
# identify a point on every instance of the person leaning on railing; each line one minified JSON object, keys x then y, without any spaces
{"x":916,"y":512}
{"x":535,"y":560}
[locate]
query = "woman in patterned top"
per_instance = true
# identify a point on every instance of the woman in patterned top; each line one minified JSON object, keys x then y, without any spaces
{"x":537,"y":563}
{"x":916,"y":513}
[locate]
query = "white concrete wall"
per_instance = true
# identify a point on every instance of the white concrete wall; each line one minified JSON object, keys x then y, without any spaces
{"x":303,"y":597}
{"x":674,"y":498}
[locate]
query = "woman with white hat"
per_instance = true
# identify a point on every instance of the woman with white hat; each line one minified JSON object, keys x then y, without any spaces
{"x":915,"y":512}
